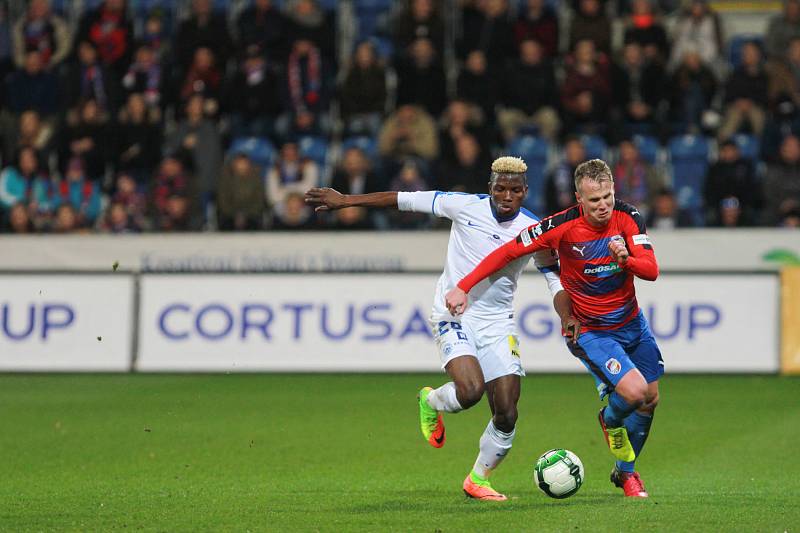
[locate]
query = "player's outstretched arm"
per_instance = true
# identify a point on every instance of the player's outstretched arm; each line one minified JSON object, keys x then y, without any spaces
{"x":327,"y":199}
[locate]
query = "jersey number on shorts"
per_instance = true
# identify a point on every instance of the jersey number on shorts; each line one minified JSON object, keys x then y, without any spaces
{"x":455,"y":326}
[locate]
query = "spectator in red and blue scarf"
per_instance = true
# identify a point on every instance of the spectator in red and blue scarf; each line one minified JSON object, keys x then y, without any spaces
{"x":43,"y":31}
{"x":87,"y":79}
{"x":82,"y":193}
{"x":204,"y":78}
{"x":144,"y":76}
{"x":307,"y":89}
{"x":111,"y":31}
{"x":635,"y":180}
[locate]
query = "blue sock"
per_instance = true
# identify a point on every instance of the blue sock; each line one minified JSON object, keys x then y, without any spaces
{"x":638,"y":426}
{"x":616,"y":411}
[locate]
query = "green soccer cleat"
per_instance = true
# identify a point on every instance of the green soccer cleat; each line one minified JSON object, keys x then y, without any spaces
{"x":618,"y":441}
{"x":430,"y":420}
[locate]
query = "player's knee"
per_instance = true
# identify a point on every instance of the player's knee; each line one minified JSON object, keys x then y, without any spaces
{"x":505,"y":419}
{"x":469,"y":393}
{"x":635,"y":394}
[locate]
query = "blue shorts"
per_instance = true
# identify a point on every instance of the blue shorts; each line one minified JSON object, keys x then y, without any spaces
{"x":610,"y":354}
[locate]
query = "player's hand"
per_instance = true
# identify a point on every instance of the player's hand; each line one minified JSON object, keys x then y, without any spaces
{"x":619,"y":252}
{"x":572,"y":328}
{"x":325,"y":199}
{"x":456,"y":301}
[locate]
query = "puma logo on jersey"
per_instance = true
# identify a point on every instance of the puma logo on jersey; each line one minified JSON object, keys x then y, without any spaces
{"x":635,"y":212}
{"x":549,"y":223}
{"x":579,"y":249}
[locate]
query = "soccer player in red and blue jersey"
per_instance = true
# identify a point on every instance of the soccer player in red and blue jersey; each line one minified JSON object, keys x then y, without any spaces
{"x":602,"y":244}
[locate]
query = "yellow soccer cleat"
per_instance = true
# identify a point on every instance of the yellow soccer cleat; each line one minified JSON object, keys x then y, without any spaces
{"x":618,"y":441}
{"x":430,"y":420}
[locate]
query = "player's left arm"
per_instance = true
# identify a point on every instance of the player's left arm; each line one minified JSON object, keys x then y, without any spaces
{"x":635,"y":254}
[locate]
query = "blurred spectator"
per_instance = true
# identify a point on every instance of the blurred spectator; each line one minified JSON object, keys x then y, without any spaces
{"x":354,"y":174}
{"x":204,"y":78}
{"x":645,"y":28}
{"x":486,"y":27}
{"x":362,"y":95}
{"x":172,"y":195}
{"x":18,"y":220}
{"x":538,"y":21}
{"x":732,"y":177}
{"x":156,"y":37}
{"x":307,"y":88}
{"x":409,"y":131}
{"x":529,"y":94}
{"x":476,"y":85}
{"x":782,"y":182}
{"x":263,"y":25}
{"x":560,"y":183}
{"x":144,"y":76}
{"x":199,"y":137}
{"x":665,"y":214}
{"x":31,"y":132}
{"x":461,"y":118}
{"x":66,"y":220}
{"x":240,"y":197}
{"x":783,"y":74}
{"x":637,"y":89}
{"x":746,"y":94}
{"x":309,"y":22}
{"x":294,"y":214}
{"x":291,"y":173}
{"x":138,"y":138}
{"x":409,"y":178}
{"x":697,"y":29}
{"x":353,"y":218}
{"x":32,"y":87}
{"x":691,"y":91}
{"x":783,"y":28}
{"x":254,"y":97}
{"x":203,"y":29}
{"x":130,"y":196}
{"x":419,"y":20}
{"x":6,"y":46}
{"x":86,"y":137}
{"x":421,"y":78}
{"x":790,"y":219}
{"x":468,"y":172}
{"x":586,"y":91}
{"x":41,"y":30}
{"x":17,"y":180}
{"x":81,"y":192}
{"x":635,"y":180}
{"x":117,"y":220}
{"x":590,"y":23}
{"x":87,"y":79}
{"x":110,"y":29}
{"x":729,"y":213}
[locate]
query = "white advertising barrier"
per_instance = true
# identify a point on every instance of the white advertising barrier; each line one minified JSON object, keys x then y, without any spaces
{"x":66,"y":323}
{"x":378,"y":322}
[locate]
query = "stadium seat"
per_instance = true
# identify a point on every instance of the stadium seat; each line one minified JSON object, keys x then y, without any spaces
{"x":689,"y":157}
{"x":749,"y":146}
{"x":384,"y":48}
{"x":314,"y":148}
{"x":736,"y":43}
{"x":258,"y":149}
{"x":534,"y":151}
{"x":595,"y":146}
{"x":368,"y":145}
{"x":372,"y":16}
{"x":648,"y":147}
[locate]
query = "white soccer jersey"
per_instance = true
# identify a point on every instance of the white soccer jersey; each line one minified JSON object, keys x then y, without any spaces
{"x":475,"y":233}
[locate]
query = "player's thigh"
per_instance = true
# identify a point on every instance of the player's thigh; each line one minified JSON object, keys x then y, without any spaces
{"x":456,"y":345}
{"x":645,"y":352}
{"x":498,"y":348}
{"x":604,"y":356}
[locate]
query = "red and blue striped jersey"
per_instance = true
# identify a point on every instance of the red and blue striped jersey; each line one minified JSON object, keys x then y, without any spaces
{"x":602,"y":291}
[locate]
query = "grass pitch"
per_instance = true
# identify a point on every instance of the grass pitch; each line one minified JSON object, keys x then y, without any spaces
{"x":344,"y":452}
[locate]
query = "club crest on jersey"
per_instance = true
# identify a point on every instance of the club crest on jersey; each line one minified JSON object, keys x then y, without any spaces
{"x":613,"y":366}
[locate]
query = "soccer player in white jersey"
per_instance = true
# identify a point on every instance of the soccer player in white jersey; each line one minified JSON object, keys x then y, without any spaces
{"x":479,"y":349}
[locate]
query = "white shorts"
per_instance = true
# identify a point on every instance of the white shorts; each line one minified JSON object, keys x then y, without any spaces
{"x":494,"y":342}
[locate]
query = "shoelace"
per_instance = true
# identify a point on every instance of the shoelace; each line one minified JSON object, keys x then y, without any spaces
{"x":637,"y":481}
{"x":618,"y":441}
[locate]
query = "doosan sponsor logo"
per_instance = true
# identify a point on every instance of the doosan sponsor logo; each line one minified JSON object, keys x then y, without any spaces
{"x":600,"y":269}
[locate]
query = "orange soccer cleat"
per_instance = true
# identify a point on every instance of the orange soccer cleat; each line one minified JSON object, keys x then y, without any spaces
{"x":481,"y":489}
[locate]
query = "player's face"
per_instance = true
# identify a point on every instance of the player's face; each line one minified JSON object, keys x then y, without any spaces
{"x":597,"y":200}
{"x":507,"y":193}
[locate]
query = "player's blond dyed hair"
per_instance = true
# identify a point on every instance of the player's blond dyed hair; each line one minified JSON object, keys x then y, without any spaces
{"x":595,"y":170}
{"x":509,"y":166}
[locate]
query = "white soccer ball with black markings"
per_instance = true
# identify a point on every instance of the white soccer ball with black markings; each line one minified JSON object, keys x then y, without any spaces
{"x":559,"y":473}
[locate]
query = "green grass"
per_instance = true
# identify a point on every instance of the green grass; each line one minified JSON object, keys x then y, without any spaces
{"x":335,"y":453}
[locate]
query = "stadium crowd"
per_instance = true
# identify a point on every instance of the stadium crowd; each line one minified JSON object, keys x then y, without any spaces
{"x":155,"y":115}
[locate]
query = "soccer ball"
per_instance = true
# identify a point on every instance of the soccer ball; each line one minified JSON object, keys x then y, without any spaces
{"x":559,"y":473}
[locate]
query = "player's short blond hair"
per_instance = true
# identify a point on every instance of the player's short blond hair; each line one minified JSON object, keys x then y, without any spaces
{"x":509,"y":166}
{"x":595,"y":170}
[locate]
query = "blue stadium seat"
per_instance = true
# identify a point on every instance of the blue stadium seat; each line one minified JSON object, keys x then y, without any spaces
{"x":749,"y":146}
{"x":372,"y":16}
{"x":535,"y":151}
{"x":736,"y":43}
{"x":384,"y":48}
{"x":260,"y":150}
{"x":648,"y":147}
{"x":314,"y":148}
{"x":595,"y":146}
{"x":368,"y":145}
{"x":689,"y":157}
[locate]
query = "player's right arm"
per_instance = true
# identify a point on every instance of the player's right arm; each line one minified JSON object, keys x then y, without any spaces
{"x":327,"y":199}
{"x":440,"y":204}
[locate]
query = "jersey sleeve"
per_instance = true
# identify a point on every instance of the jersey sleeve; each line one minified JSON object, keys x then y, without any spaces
{"x":642,"y":260}
{"x":441,"y":204}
